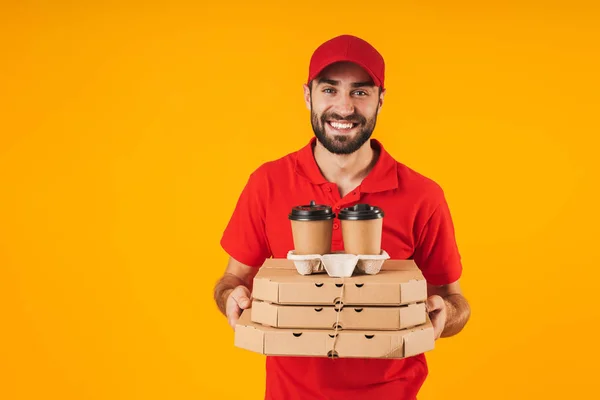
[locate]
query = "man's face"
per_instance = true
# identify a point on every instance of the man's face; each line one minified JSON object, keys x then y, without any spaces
{"x":344,"y":104}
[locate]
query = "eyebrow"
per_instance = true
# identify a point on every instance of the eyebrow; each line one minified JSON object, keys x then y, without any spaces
{"x":354,"y":84}
{"x":362,"y":84}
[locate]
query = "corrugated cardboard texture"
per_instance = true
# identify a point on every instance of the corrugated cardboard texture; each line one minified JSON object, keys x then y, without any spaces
{"x":325,"y":317}
{"x":399,"y":282}
{"x":321,"y":343}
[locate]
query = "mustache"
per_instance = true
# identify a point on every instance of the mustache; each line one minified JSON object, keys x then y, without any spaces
{"x":357,"y":118}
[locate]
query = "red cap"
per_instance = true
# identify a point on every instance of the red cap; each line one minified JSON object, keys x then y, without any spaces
{"x":348,"y":48}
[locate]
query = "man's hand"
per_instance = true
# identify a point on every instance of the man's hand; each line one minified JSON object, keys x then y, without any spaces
{"x":238,"y":299}
{"x":436,"y":307}
{"x":448,"y":310}
{"x":232,"y":292}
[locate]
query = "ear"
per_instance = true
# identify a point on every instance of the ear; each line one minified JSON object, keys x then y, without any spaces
{"x":306,"y":95}
{"x":381,"y":96}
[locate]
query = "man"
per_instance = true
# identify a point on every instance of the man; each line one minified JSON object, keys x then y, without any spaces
{"x":343,"y":166}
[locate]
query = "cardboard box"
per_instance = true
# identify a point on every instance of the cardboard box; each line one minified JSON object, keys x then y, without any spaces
{"x":327,"y":343}
{"x":326,"y":317}
{"x":399,"y":282}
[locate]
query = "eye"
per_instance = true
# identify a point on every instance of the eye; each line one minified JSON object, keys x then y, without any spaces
{"x":329,"y":90}
{"x":360,"y":93}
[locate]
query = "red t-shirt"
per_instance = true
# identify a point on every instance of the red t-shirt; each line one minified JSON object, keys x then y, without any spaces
{"x":417,"y":225}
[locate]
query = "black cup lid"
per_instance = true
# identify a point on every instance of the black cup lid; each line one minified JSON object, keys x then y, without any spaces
{"x":360,"y":212}
{"x":311,"y":212}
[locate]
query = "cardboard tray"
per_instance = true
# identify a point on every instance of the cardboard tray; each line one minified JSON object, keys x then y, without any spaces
{"x":326,"y":343}
{"x":326,"y":317}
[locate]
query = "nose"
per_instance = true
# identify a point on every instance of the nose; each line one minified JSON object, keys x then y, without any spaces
{"x":345,"y":106}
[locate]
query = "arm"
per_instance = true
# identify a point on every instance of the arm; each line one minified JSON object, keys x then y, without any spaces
{"x":448,"y":310}
{"x":232,"y":292}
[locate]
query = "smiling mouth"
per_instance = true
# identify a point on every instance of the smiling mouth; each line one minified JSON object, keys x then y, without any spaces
{"x":342,"y":126}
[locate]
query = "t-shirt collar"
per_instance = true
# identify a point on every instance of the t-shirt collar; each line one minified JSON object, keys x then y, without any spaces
{"x":382,"y":177}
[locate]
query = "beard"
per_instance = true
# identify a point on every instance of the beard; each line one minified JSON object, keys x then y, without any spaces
{"x":343,"y":144}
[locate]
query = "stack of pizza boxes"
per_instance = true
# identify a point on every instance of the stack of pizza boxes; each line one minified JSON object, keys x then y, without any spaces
{"x":356,"y":303}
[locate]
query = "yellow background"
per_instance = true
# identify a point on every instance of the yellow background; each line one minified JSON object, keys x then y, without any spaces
{"x":127,"y":131}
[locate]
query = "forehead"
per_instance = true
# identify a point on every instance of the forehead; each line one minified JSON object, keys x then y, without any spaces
{"x":345,"y":71}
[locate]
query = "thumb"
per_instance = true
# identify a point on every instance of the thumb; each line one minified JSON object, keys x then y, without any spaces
{"x":434,"y":303}
{"x":241,"y":295}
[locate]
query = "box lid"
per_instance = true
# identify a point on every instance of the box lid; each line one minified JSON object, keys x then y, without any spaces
{"x":348,"y":317}
{"x":399,"y":282}
{"x":327,"y":343}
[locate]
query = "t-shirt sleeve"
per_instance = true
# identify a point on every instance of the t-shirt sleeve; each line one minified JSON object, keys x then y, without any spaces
{"x":244,"y":237}
{"x":436,"y":252}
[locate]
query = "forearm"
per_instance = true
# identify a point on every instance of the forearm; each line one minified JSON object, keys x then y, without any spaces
{"x":224,"y":286}
{"x":458,"y":313}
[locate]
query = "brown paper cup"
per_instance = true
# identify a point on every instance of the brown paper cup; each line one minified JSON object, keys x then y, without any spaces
{"x":312,"y":228}
{"x":362,"y":237}
{"x":312,"y":237}
{"x":362,"y":227}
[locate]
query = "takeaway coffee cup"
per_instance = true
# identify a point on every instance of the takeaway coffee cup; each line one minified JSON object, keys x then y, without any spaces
{"x":312,"y":226}
{"x":362,"y":227}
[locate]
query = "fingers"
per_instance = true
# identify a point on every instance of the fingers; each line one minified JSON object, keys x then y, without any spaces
{"x":241,"y":295}
{"x":434,"y":303}
{"x":238,"y":300}
{"x":233,"y":311}
{"x":437,"y":313}
{"x":438,"y":322}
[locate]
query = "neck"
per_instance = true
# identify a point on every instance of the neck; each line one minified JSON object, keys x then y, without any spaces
{"x":345,"y":168}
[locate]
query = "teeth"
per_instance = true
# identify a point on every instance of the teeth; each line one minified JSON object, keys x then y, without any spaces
{"x":339,"y":125}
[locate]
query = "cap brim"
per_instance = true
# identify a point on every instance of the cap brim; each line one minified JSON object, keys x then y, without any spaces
{"x":327,"y":63}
